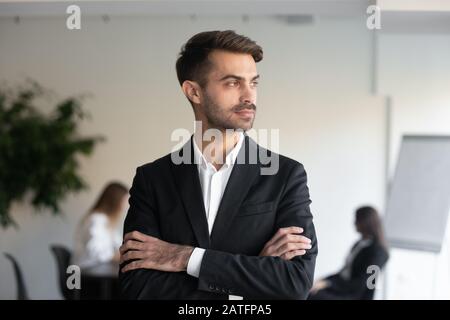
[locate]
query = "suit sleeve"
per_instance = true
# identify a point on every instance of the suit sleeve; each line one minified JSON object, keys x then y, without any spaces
{"x":146,"y":283}
{"x":255,"y":277}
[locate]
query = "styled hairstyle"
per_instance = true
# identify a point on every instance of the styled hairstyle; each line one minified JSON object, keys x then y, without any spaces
{"x":369,"y":223}
{"x":193,"y":64}
{"x":110,"y":200}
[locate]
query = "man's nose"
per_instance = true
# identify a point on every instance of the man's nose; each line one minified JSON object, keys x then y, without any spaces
{"x":248,"y":95}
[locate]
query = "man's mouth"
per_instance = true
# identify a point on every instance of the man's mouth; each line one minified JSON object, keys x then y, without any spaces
{"x":246,"y":113}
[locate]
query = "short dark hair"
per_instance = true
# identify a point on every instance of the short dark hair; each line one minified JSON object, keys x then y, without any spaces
{"x":192,"y":63}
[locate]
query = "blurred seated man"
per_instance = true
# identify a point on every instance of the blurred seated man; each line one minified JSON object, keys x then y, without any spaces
{"x":351,"y":283}
{"x":98,"y":238}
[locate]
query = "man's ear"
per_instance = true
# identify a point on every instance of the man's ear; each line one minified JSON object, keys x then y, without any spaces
{"x":191,"y":90}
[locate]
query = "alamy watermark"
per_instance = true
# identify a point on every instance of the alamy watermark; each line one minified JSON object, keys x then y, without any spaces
{"x":374,"y":271}
{"x":74,"y":279}
{"x":374,"y":19}
{"x":269,"y":160}
{"x":73,"y":21}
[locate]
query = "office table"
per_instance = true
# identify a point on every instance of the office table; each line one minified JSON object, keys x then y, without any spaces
{"x":101,"y":279}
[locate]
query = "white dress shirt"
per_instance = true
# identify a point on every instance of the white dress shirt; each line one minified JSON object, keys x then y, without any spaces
{"x":213,"y":183}
{"x":95,"y":241}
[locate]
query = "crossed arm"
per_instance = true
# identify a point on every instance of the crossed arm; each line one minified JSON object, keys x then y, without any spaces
{"x":283,"y":269}
{"x":149,"y":252}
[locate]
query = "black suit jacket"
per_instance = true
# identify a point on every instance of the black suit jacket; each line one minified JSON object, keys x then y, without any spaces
{"x":166,"y":202}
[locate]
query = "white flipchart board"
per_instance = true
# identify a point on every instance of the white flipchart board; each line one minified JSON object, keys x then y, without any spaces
{"x":419,"y":201}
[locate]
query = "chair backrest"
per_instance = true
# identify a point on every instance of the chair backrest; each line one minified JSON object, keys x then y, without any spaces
{"x":21,"y":288}
{"x":63,"y":257}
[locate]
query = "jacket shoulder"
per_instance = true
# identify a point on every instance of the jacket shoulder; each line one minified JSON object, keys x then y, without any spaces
{"x":285,"y":163}
{"x":155,"y":166}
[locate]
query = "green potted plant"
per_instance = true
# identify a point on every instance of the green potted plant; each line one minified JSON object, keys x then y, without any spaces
{"x":39,"y":152}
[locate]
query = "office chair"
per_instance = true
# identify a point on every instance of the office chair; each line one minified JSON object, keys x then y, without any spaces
{"x":63,"y":256}
{"x":21,"y":289}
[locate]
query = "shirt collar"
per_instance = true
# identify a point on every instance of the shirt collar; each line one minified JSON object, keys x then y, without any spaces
{"x":230,"y":159}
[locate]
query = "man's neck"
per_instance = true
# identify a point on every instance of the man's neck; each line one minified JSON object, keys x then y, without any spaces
{"x":215,"y":150}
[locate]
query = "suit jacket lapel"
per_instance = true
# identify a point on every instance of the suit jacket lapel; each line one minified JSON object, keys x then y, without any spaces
{"x":238,"y":185}
{"x":188,"y":184}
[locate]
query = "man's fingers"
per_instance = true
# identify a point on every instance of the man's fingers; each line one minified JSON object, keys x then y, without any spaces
{"x":281,"y":237}
{"x":303,"y":239}
{"x":136,"y":235}
{"x":283,"y":232}
{"x":292,"y":254}
{"x":131,"y":245}
{"x":293,"y":238}
{"x":292,"y":246}
{"x":132,"y":254}
{"x":139,"y":264}
{"x":290,"y":238}
{"x":280,"y":233}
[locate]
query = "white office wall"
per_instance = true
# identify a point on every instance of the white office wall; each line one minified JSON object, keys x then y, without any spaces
{"x":315,"y":88}
{"x":414,"y":69}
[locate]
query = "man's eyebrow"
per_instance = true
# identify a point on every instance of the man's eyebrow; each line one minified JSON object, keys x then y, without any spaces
{"x":232,"y":76}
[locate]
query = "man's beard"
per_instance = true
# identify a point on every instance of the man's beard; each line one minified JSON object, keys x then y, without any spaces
{"x":223,"y":119}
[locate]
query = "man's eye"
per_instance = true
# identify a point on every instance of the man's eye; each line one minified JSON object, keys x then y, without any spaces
{"x":255,"y":83}
{"x":233,"y":83}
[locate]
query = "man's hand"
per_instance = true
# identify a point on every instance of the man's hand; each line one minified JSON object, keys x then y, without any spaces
{"x":287,"y":243}
{"x":152,"y":253}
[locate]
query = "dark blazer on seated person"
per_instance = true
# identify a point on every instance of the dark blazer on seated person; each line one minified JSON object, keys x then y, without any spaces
{"x":351,"y":282}
{"x":166,"y":202}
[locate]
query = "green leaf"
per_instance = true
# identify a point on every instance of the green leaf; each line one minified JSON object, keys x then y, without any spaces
{"x":38,"y":153}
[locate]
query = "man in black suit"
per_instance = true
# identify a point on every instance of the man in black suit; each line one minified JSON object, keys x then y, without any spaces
{"x":222,"y":217}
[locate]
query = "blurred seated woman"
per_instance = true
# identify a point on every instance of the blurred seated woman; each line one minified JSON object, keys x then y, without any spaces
{"x":352,"y":282}
{"x":98,"y":238}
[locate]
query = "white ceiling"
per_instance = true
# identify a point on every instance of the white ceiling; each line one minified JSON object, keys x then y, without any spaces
{"x":187,"y":7}
{"x":396,"y":15}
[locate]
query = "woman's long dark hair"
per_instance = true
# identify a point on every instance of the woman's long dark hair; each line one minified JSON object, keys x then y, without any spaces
{"x":369,"y":224}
